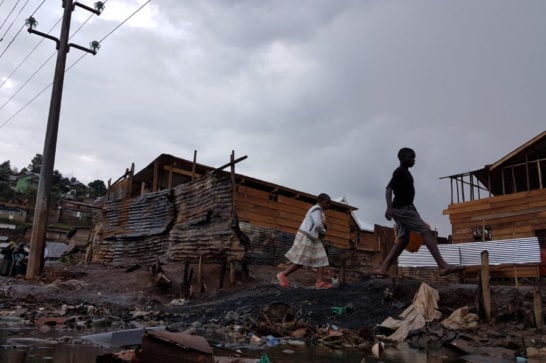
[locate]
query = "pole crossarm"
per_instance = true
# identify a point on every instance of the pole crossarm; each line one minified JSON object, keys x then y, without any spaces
{"x":45,"y":35}
{"x":84,"y":49}
{"x":97,"y":10}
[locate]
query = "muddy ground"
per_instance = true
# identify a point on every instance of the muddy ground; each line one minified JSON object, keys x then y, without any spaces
{"x":115,"y":299}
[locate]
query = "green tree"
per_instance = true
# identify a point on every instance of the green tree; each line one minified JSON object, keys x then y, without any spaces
{"x":97,"y":188}
{"x":5,"y":170}
{"x":6,"y":193}
{"x":35,"y":164}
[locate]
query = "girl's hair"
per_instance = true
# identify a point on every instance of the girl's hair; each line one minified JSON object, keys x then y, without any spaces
{"x":323,"y":197}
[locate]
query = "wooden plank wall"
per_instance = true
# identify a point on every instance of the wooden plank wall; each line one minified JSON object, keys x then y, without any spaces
{"x":255,"y":206}
{"x":368,"y":241}
{"x":508,"y":216}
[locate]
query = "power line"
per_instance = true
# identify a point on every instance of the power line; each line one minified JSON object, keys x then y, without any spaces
{"x":13,"y":22}
{"x":40,"y":67}
{"x":12,"y":40}
{"x":123,"y":22}
{"x":39,"y":6}
{"x":28,"y":54}
{"x":27,"y":81}
{"x":20,"y":29}
{"x":70,"y":67}
{"x":11,"y":12}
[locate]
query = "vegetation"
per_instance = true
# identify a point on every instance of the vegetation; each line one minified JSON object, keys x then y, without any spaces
{"x":62,"y":188}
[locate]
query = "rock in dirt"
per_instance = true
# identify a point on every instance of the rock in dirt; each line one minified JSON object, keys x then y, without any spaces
{"x":299,"y":333}
{"x":70,"y":285}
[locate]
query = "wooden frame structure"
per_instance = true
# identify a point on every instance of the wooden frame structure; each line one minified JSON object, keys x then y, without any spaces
{"x":506,"y":199}
{"x":256,"y":201}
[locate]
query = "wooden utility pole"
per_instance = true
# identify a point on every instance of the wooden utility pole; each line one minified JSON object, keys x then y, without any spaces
{"x":39,"y":226}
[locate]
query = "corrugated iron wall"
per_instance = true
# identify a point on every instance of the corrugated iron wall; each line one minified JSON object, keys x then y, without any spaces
{"x":269,"y":246}
{"x":204,"y":219}
{"x":510,"y":251}
{"x":190,"y":220}
{"x":147,"y":215}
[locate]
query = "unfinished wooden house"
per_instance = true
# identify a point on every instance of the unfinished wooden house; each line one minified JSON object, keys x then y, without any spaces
{"x":503,"y":200}
{"x":183,"y":210}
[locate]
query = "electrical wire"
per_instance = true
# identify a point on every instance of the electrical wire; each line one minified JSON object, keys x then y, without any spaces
{"x":13,"y":22}
{"x":10,"y":12}
{"x":12,"y":40}
{"x":40,"y":67}
{"x":70,"y":67}
{"x":29,"y":54}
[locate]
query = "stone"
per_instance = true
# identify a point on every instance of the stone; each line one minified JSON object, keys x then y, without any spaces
{"x":532,"y":352}
{"x":299,"y":333}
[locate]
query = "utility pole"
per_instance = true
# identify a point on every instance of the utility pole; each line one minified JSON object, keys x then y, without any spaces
{"x":39,"y":226}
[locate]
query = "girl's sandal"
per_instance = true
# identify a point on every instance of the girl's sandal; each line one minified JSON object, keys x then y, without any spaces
{"x":283,"y":280}
{"x":323,"y":285}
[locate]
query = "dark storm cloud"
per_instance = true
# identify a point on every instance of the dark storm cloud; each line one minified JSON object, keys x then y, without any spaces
{"x":319,"y":94}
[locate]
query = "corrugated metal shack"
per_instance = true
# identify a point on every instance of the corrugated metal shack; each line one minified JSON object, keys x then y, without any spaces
{"x":183,"y":210}
{"x":503,"y":200}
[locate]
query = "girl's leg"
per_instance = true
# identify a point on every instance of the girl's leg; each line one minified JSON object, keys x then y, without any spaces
{"x":291,"y":268}
{"x":282,"y":276}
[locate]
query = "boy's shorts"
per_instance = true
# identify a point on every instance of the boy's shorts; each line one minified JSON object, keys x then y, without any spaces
{"x":408,"y":219}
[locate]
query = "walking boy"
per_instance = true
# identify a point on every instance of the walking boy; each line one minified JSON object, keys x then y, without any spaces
{"x":407,"y":218}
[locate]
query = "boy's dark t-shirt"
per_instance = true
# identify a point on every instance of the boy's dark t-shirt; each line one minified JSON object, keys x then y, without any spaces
{"x":402,"y":186}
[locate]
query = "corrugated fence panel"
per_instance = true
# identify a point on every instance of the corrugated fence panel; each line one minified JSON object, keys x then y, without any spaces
{"x":269,"y":245}
{"x":204,"y":219}
{"x":509,"y":251}
{"x":147,"y":215}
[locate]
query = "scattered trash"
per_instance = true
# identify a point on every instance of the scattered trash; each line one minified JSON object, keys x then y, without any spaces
{"x":423,"y":310}
{"x":271,"y":341}
{"x":171,"y":347}
{"x":377,"y":349}
{"x":461,"y":319}
{"x":339,"y":310}
{"x":264,"y":359}
{"x":178,"y":302}
{"x":254,"y":339}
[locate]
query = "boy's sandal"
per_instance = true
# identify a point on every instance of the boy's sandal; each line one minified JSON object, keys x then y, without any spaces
{"x":283,"y":280}
{"x":323,"y":285}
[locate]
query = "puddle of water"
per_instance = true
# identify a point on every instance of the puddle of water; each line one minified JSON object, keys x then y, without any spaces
{"x":64,"y":352}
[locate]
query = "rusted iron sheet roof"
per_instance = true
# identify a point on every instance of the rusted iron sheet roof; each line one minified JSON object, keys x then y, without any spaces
{"x":182,"y":340}
{"x":147,"y":215}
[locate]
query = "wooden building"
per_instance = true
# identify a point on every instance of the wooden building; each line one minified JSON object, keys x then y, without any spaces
{"x":258,"y":202}
{"x":191,"y":203}
{"x":503,"y":200}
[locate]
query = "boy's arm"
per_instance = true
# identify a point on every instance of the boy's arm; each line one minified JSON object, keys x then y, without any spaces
{"x":388,"y":197}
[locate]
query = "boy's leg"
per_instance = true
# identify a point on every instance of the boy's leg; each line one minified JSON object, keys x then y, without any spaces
{"x":396,"y":250}
{"x":432,"y":245}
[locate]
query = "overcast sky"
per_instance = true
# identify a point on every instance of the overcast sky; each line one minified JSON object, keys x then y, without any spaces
{"x":319,"y":94}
